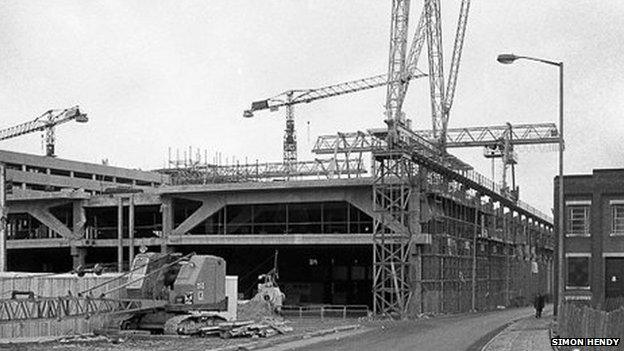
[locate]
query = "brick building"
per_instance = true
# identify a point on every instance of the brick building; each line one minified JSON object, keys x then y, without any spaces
{"x":594,"y":237}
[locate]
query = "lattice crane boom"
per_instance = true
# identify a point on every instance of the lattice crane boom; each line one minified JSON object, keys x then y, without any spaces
{"x":46,"y":122}
{"x":300,"y":96}
{"x":457,"y":51}
{"x":290,"y":98}
{"x":396,"y":67}
{"x":436,"y":68}
{"x":489,"y":136}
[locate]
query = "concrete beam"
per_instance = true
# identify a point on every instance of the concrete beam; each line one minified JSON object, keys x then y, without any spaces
{"x":114,"y":242}
{"x":363,"y":200}
{"x":77,"y":166}
{"x":274,"y":239}
{"x":20,"y":195}
{"x":211,"y":239}
{"x":245,"y":197}
{"x":37,"y":243}
{"x":46,"y":218}
{"x":264,"y":186}
{"x":140,"y":199}
{"x":204,"y":211}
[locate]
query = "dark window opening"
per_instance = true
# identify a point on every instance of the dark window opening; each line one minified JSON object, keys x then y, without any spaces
{"x":578,"y":272}
{"x":83,"y":175}
{"x":60,"y":172}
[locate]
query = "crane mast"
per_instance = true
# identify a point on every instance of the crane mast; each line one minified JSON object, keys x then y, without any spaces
{"x":436,"y":69}
{"x":290,"y":139}
{"x":396,"y":67}
{"x":455,"y":60}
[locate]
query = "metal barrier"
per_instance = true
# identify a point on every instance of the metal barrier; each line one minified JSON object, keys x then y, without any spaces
{"x":327,"y":311}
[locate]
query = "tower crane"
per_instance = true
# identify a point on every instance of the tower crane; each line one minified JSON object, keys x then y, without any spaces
{"x":290,"y":98}
{"x":46,"y":122}
{"x":429,"y":28}
{"x":397,"y":79}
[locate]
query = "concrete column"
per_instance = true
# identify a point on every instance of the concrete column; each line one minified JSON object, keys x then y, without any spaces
{"x":167,"y":222}
{"x":4,"y":212}
{"x":131,"y":229}
{"x":120,"y":234}
{"x":80,"y":220}
{"x":79,"y":255}
{"x":414,"y":276}
{"x":475,"y":233}
{"x":506,"y":223}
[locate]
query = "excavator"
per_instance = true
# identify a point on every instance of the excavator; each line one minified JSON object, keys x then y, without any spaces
{"x":186,"y":293}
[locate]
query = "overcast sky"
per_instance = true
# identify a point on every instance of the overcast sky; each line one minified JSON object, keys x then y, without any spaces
{"x":159,"y":74}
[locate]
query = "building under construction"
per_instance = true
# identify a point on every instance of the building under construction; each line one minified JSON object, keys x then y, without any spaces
{"x":415,"y":231}
{"x":474,"y":245}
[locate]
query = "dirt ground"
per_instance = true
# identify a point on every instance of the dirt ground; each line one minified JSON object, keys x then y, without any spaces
{"x":166,"y":343}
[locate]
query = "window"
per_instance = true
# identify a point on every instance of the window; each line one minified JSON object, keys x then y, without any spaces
{"x":578,"y":220}
{"x":578,"y":272}
{"x":617,"y":219}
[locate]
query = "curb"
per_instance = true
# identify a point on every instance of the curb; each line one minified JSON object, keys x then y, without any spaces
{"x":263,"y":344}
{"x":507,"y":326}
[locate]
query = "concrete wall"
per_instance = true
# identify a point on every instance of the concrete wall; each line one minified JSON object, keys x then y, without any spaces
{"x":46,"y":285}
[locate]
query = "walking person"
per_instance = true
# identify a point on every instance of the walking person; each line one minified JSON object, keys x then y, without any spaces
{"x":538,"y":303}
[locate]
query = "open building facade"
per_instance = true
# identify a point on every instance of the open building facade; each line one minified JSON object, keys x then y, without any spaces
{"x":473,"y":248}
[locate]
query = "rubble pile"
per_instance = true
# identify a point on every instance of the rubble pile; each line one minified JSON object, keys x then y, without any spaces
{"x":255,"y":309}
{"x":267,"y":327}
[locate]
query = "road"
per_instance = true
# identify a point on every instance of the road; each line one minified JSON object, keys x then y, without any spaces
{"x":453,"y":333}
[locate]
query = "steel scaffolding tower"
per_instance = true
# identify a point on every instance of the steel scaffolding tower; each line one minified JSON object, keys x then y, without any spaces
{"x":395,"y":197}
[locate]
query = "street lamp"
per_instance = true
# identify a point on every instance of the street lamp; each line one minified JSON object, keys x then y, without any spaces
{"x":508,"y":59}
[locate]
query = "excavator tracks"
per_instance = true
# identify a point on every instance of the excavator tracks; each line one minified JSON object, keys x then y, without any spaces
{"x":173,"y":324}
{"x":188,"y":324}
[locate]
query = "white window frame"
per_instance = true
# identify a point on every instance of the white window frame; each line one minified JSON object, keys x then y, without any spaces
{"x":615,"y":206}
{"x":586,"y":208}
{"x":578,"y":255}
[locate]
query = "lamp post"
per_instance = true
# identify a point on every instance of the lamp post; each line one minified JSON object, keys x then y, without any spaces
{"x":508,"y":59}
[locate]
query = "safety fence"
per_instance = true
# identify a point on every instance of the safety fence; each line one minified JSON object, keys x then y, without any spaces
{"x":578,"y":321}
{"x":326,"y":311}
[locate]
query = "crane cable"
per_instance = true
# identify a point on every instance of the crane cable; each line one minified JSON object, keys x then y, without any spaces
{"x":122,"y":275}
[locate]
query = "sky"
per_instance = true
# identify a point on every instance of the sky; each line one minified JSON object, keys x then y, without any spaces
{"x":154,"y":75}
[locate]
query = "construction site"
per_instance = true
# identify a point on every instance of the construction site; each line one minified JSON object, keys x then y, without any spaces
{"x":385,"y":218}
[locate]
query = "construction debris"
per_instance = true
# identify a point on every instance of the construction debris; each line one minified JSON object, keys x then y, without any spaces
{"x":266,"y":328}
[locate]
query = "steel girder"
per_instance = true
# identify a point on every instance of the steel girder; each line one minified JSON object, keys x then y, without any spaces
{"x":69,"y":306}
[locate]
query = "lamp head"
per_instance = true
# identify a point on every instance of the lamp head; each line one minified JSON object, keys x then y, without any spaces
{"x":506,"y":58}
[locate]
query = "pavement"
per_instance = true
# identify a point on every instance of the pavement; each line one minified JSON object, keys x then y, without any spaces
{"x":468,"y":332}
{"x":528,"y":334}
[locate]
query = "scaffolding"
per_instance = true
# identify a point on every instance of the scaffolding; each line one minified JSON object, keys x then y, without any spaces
{"x":475,"y":236}
{"x":200,"y":173}
{"x":481,"y":257}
